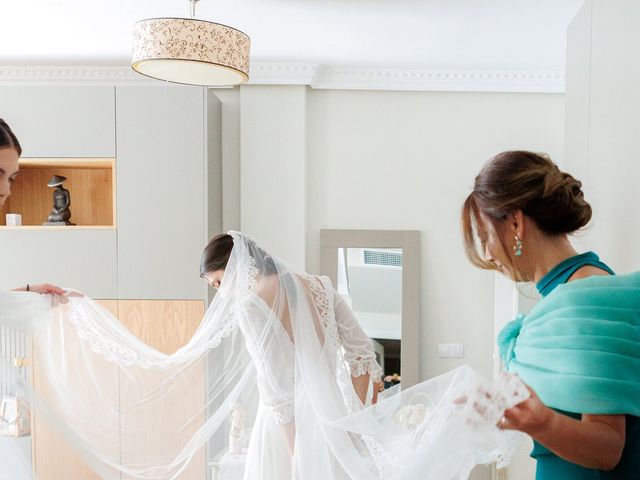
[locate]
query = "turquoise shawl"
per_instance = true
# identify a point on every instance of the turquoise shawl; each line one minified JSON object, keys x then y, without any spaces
{"x":579,"y":348}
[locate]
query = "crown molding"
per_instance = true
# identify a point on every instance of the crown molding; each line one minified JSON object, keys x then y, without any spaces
{"x":314,"y":75}
{"x":282,"y":73}
{"x":440,"y":80}
{"x":71,"y":75}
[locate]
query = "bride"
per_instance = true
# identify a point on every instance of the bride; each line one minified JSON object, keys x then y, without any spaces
{"x":281,"y":344}
{"x":283,"y":308}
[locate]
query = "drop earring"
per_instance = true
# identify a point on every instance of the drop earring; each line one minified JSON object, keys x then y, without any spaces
{"x":517,"y":248}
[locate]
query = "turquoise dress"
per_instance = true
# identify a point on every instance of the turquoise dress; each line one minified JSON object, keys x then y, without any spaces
{"x":551,"y":467}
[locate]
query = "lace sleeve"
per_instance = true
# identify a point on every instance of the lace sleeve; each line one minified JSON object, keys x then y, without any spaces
{"x":357,"y":345}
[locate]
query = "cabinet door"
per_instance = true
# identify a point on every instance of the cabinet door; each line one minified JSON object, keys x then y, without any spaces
{"x":61,"y":121}
{"x":83,"y":259}
{"x":165,"y":326}
{"x":160,"y":191}
{"x":614,"y":143}
{"x":53,"y":457}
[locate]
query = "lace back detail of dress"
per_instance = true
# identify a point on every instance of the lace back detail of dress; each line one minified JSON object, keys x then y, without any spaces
{"x":283,"y":413}
{"x":321,"y":300}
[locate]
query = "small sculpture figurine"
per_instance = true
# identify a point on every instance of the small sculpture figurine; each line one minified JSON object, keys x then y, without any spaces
{"x":60,"y":214}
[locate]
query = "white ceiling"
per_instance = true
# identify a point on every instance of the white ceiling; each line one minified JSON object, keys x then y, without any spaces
{"x":434,"y":34}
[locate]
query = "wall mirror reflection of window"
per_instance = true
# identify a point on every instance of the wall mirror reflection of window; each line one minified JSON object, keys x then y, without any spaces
{"x":378,"y":274}
{"x":370,"y":280}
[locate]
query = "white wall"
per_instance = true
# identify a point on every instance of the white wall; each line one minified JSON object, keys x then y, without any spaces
{"x":230,"y":133}
{"x":272,"y":181}
{"x":388,"y":160}
{"x":511,"y":299}
{"x":407,"y":160}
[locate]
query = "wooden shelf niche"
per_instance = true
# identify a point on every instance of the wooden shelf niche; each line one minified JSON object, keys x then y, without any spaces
{"x":91,"y":182}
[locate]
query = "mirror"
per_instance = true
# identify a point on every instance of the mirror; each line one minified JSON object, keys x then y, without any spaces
{"x":378,"y":274}
{"x":370,"y":280}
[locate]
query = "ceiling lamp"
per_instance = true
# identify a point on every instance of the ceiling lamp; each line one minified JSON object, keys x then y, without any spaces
{"x":190,"y":51}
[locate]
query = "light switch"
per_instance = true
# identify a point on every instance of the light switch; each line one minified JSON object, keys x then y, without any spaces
{"x":450,"y":350}
{"x":456,"y":350}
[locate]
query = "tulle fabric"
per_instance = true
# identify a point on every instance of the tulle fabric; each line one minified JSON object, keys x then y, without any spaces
{"x":269,"y":344}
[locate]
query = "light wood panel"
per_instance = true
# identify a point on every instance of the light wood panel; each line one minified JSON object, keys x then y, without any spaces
{"x":67,"y":162}
{"x":53,"y":458}
{"x":111,"y":305}
{"x":91,"y":189}
{"x":165,"y":326}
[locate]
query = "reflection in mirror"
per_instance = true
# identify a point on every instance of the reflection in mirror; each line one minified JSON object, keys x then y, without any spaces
{"x":379,"y":273}
{"x":370,"y":280}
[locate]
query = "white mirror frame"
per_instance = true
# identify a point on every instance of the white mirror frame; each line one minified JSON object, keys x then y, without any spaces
{"x":409,"y":242}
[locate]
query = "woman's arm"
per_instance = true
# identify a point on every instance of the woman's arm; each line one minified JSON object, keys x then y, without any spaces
{"x":595,"y":441}
{"x":361,"y":386}
{"x":41,"y":288}
{"x":358,"y":349}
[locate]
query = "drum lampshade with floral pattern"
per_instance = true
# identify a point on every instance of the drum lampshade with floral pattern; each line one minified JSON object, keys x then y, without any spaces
{"x":190,"y":51}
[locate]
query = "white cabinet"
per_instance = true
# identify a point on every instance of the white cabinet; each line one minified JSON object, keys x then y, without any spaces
{"x":602,"y":144}
{"x":84,"y":259}
{"x":162,"y":189}
{"x":61,"y":121}
{"x":168,"y":189}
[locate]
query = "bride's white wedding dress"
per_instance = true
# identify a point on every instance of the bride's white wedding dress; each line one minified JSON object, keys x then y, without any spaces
{"x":271,"y":342}
{"x":282,"y":344}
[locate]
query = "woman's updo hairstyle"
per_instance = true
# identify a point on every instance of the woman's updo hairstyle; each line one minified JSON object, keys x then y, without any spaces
{"x":8,"y":139}
{"x":218,"y":251}
{"x":531,"y":182}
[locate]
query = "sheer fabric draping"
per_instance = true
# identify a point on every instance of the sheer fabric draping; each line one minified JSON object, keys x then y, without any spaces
{"x":279,"y":345}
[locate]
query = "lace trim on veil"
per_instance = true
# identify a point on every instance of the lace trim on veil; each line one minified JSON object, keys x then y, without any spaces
{"x":117,"y":352}
{"x":114,"y":351}
{"x":248,"y":276}
{"x":110,"y":350}
{"x":384,"y":462}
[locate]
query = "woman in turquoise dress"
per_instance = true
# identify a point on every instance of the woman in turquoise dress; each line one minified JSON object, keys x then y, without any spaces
{"x":579,"y":348}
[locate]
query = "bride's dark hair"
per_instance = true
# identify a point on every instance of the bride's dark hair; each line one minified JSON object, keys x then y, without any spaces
{"x":8,"y":138}
{"x":218,"y":251}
